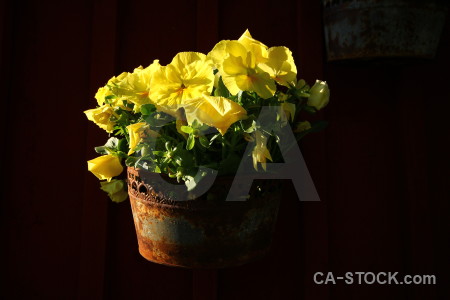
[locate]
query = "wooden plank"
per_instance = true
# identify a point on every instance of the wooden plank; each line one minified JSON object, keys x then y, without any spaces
{"x":95,"y":202}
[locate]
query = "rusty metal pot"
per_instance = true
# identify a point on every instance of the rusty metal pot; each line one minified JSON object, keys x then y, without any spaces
{"x":207,"y":232}
{"x":367,"y":29}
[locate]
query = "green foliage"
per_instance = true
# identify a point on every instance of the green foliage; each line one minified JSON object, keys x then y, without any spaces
{"x":179,"y":151}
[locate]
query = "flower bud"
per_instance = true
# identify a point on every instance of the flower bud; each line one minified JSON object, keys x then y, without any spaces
{"x":320,"y":95}
{"x":115,"y":189}
{"x":105,"y":167}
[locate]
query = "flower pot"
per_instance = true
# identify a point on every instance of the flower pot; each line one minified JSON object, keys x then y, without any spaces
{"x":367,"y":29}
{"x":207,"y":232}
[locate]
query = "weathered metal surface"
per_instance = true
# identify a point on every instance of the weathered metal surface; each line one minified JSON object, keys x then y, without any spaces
{"x":366,"y":29}
{"x":207,"y":232}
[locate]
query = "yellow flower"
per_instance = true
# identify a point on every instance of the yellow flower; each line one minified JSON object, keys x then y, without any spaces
{"x":135,"y":87}
{"x":102,"y":117}
{"x":302,"y":126}
{"x":280,"y":66}
{"x":260,"y":153}
{"x":238,"y":63}
{"x":218,"y":54}
{"x":114,"y":81}
{"x":254,"y":46}
{"x":101,"y":94}
{"x":137,"y":132}
{"x":320,"y":95}
{"x":218,"y":112}
{"x":188,"y":76}
{"x":221,"y":50}
{"x":115,"y":189}
{"x":105,"y":167}
{"x":240,"y":72}
{"x":111,"y":89}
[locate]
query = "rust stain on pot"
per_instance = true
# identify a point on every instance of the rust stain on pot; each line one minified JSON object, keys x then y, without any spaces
{"x":207,"y":232}
{"x":366,"y":29}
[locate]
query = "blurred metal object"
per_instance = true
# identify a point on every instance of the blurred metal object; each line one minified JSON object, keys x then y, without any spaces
{"x":367,"y":29}
{"x":207,"y":232}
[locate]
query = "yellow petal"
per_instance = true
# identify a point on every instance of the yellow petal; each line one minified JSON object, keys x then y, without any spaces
{"x":289,"y":110}
{"x":101,"y":94}
{"x":280,"y":65}
{"x":259,"y":82}
{"x":183,"y":59}
{"x":105,"y":167}
{"x":189,"y":75}
{"x":137,"y":132}
{"x":258,"y":49}
{"x":218,"y":53}
{"x":102,"y":117}
{"x":135,"y":87}
{"x":134,"y":133}
{"x":234,"y":65}
{"x":260,"y":153}
{"x":218,"y":112}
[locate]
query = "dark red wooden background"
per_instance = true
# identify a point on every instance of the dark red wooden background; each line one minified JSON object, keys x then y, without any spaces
{"x":381,"y":168}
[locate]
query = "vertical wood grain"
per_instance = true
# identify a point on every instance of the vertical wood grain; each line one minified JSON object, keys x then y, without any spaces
{"x":95,"y":202}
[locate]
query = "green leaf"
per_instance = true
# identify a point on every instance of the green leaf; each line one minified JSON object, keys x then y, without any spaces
{"x":113,"y":143}
{"x":147,"y":109}
{"x":184,"y":158}
{"x":217,"y":135}
{"x":101,"y":150}
{"x":122,"y":145}
{"x":131,"y":161}
{"x":190,"y":142}
{"x":204,"y":141}
{"x":178,"y":160}
{"x":146,"y":162}
{"x":149,"y":166}
{"x":110,"y":97}
{"x":192,"y":181}
{"x":310,"y":109}
{"x":187,"y":129}
{"x":221,"y":90}
{"x":128,"y":104}
{"x":249,"y":125}
{"x":121,"y":154}
{"x":159,"y":153}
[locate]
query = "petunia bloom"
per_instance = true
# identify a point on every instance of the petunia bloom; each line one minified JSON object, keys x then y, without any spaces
{"x":189,"y":76}
{"x":280,"y":65}
{"x":135,"y":87}
{"x":238,"y":63}
{"x":241,"y":73}
{"x":102,"y":117}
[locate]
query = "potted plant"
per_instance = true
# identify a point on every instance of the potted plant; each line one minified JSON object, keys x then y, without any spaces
{"x":183,"y":130}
